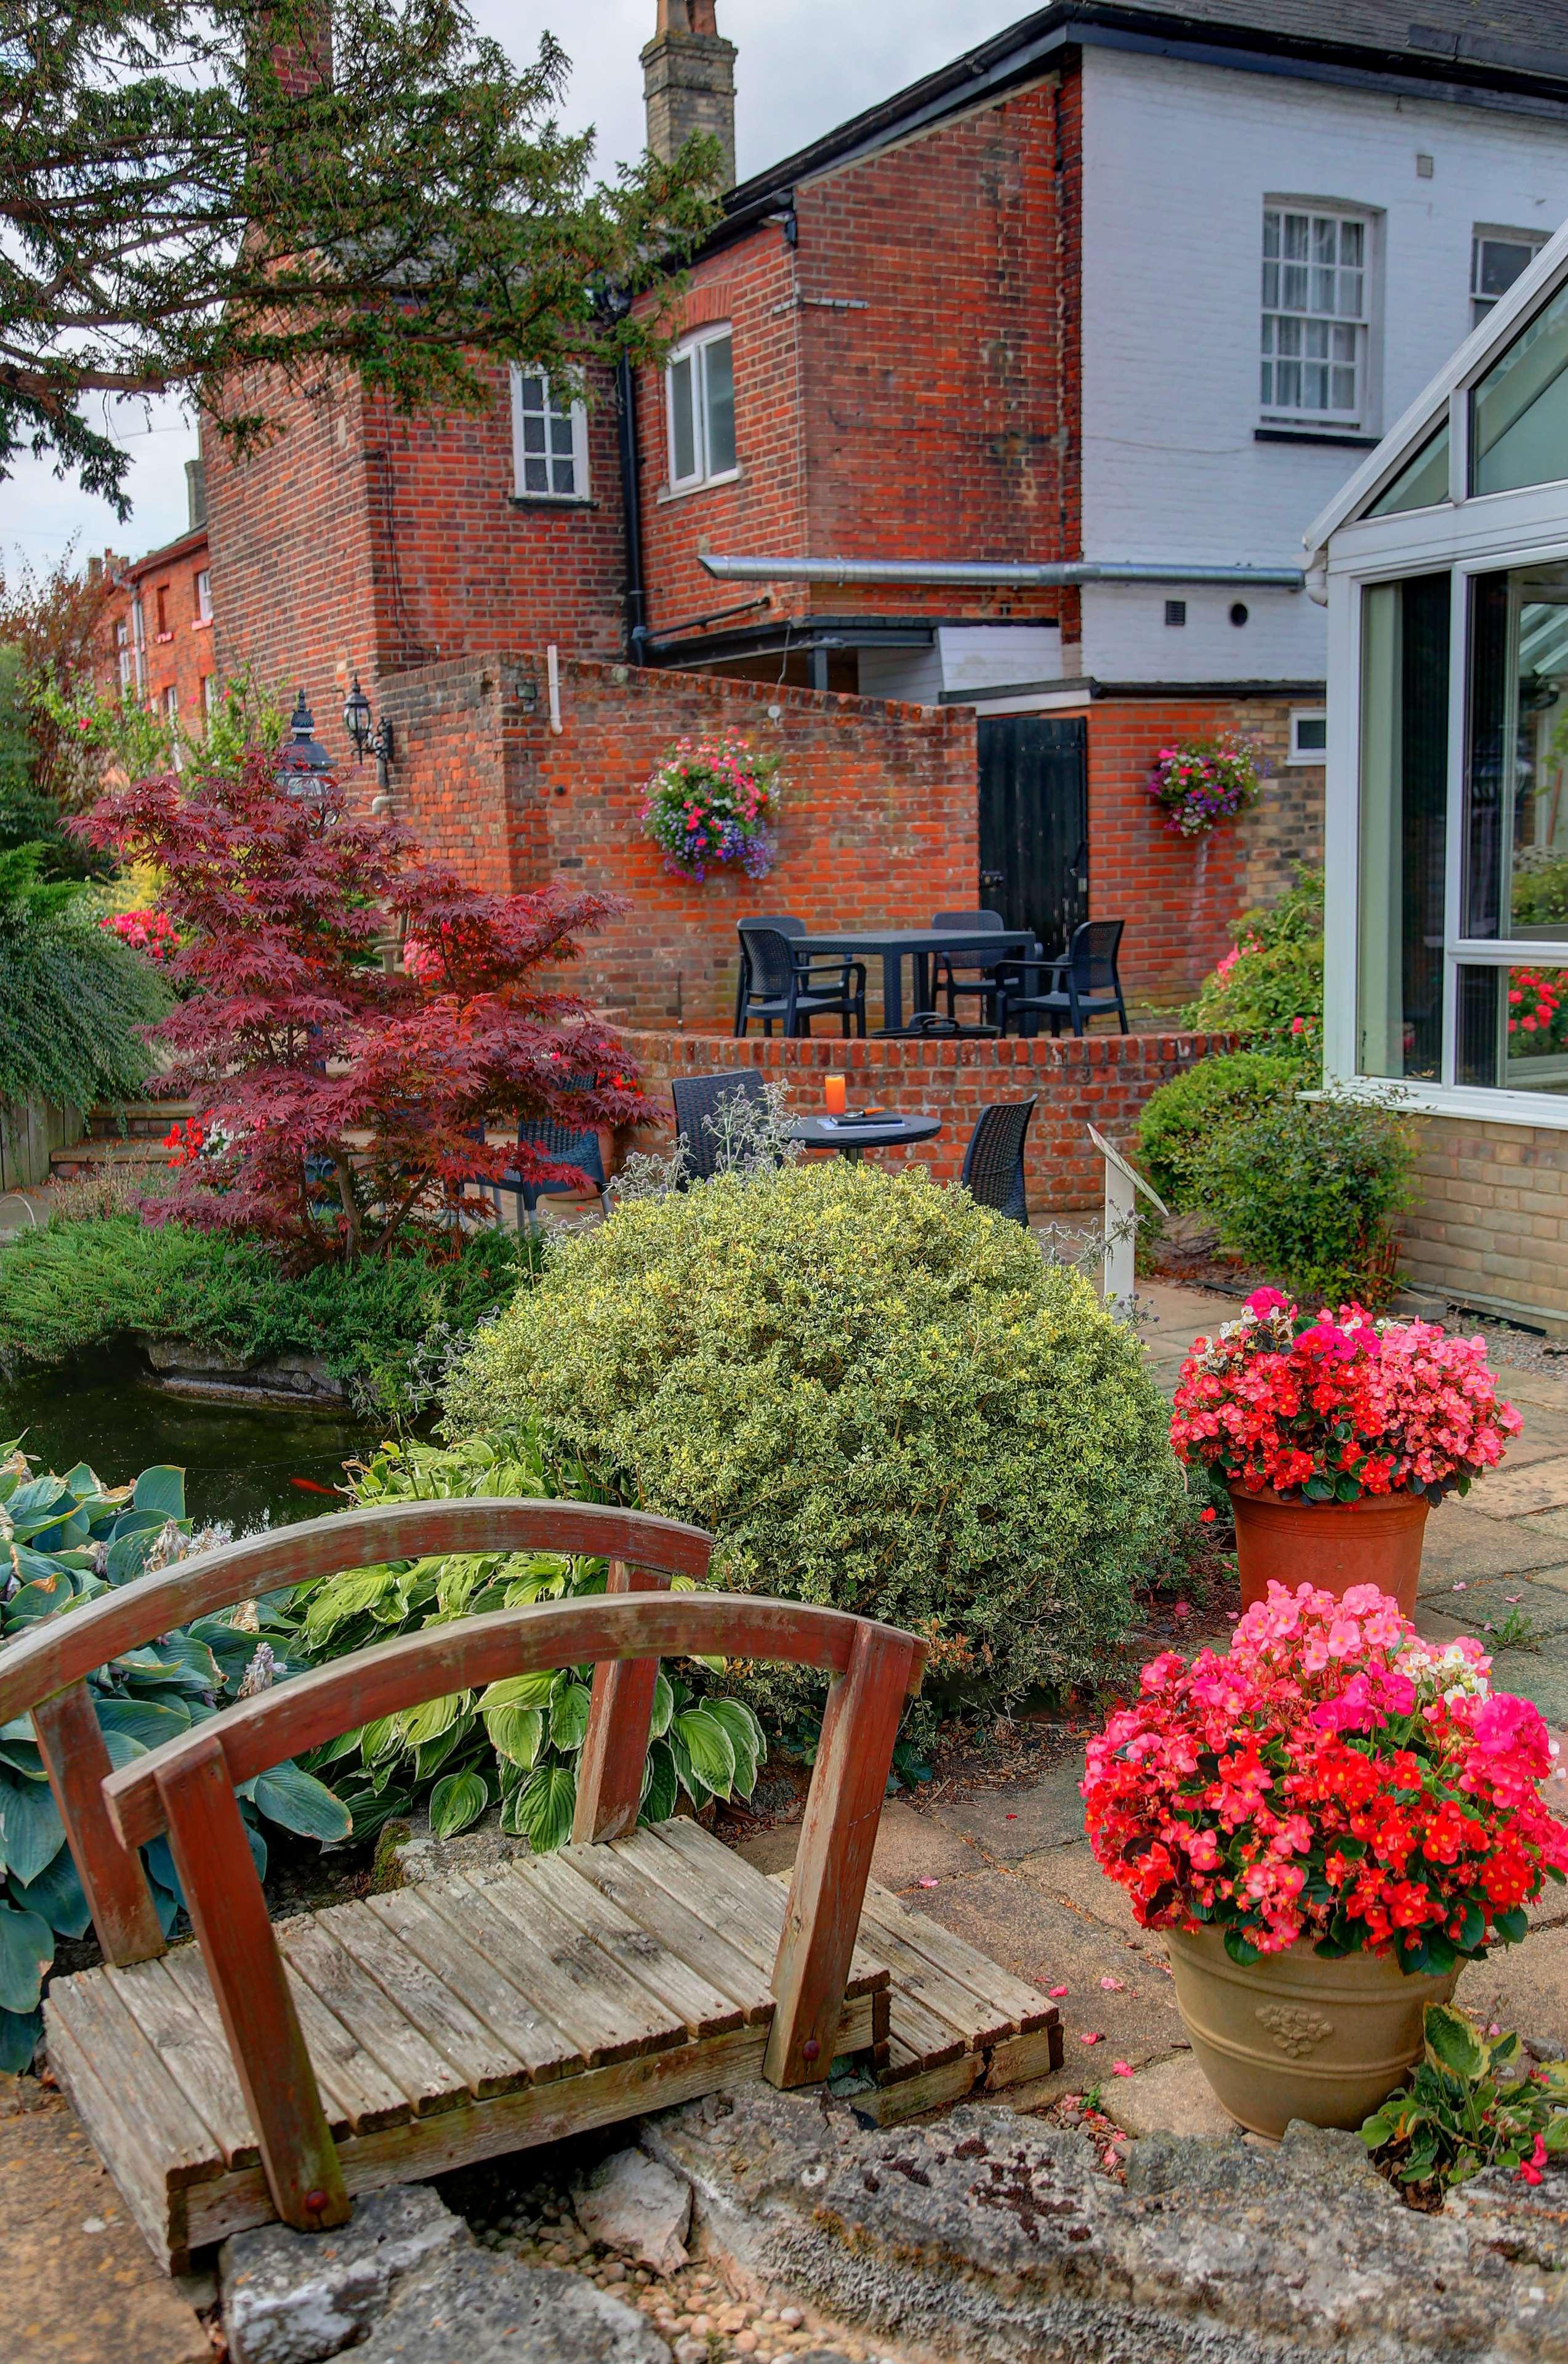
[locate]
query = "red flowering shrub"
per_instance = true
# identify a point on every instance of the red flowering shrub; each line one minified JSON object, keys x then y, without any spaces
{"x":152,"y":932}
{"x":1334,"y":1778}
{"x":339,"y":1101}
{"x":1337,"y":1409}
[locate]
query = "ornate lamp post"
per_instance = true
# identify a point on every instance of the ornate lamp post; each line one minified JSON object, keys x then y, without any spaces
{"x":304,"y":768}
{"x":376,"y":742}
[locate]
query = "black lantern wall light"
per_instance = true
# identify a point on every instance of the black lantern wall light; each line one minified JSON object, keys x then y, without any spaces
{"x":370,"y":737}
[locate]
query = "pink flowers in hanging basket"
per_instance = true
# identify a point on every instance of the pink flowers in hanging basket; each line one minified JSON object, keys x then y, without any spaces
{"x":1200,"y":782}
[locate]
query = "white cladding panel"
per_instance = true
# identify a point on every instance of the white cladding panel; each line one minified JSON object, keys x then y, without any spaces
{"x":1178,"y":162}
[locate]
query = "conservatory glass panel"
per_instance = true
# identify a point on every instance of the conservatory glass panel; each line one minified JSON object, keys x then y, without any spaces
{"x":1513,"y":1029}
{"x":1421,"y":483}
{"x":1516,"y":790}
{"x":1520,"y":434}
{"x":1403,"y":827}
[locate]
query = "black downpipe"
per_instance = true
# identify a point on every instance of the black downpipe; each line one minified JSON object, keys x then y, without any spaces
{"x":637,"y":632}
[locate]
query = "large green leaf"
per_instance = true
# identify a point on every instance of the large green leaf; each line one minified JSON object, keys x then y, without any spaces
{"x":543,"y":1809}
{"x":161,"y":1488}
{"x":663,"y":1705}
{"x":456,"y":1801}
{"x":1454,"y":2042}
{"x":519,"y":1691}
{"x":143,"y":1719}
{"x":27,"y":1949}
{"x":659,"y":1786}
{"x":708,"y":1750}
{"x":417,"y":1724}
{"x":38,"y":1503}
{"x":745,"y":1738}
{"x":300,"y":1803}
{"x":19,"y":2033}
{"x":31,"y":1833}
{"x":516,"y":1734}
{"x":569,"y":1717}
{"x":56,"y":1895}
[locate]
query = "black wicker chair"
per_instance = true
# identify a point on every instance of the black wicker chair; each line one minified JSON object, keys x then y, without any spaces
{"x":778,"y":981}
{"x":993,"y":1161}
{"x":568,"y":1146}
{"x":697,"y":1100}
{"x":787,"y":924}
{"x":972,"y":972}
{"x":1087,"y":981}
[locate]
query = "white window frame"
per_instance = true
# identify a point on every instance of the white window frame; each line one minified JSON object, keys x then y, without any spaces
{"x":1296,"y":752}
{"x":1319,"y":213}
{"x":203,"y":594}
{"x":576,"y":410}
{"x":138,"y":643}
{"x":1487,"y":534}
{"x":124,"y":655}
{"x":1480,"y":304}
{"x":695,"y":349}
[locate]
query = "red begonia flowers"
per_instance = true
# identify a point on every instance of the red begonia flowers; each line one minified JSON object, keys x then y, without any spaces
{"x":1334,"y":1407}
{"x":1334,"y":1778}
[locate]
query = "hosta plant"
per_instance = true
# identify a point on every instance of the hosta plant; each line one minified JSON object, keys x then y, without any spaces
{"x":517,"y":1742}
{"x":65,"y":1540}
{"x":1476,"y":2101}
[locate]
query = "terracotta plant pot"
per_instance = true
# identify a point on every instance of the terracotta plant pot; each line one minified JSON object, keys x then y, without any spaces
{"x":1331,"y":1544}
{"x":1296,"y":2036}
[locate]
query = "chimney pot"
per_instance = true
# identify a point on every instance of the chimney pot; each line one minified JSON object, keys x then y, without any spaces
{"x":688,"y":81}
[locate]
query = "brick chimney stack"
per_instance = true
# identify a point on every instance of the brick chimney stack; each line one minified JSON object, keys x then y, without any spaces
{"x":688,"y":81}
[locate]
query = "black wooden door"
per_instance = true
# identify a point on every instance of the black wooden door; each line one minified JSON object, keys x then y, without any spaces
{"x":1034,"y":823}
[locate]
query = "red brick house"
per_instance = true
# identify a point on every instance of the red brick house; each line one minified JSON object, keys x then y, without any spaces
{"x":156,"y":636}
{"x":986,"y":433}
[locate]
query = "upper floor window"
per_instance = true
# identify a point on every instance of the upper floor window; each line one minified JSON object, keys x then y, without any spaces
{"x":549,"y":440}
{"x":203,"y":597}
{"x":700,"y":397}
{"x":162,"y":597}
{"x":126,"y":657}
{"x":1498,"y":257}
{"x":1315,"y":317}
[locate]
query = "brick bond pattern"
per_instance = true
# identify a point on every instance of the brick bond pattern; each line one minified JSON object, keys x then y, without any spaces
{"x":1492,"y":1228}
{"x":879,"y":816}
{"x":1103,"y":1080}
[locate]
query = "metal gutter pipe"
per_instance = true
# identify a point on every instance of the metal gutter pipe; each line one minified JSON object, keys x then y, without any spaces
{"x":637,"y":632}
{"x":1054,"y":575}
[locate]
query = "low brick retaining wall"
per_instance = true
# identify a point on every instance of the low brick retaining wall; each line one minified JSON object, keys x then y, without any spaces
{"x":1102,"y":1079}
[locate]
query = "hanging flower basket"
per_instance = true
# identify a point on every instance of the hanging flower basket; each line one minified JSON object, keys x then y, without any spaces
{"x":711,"y":802}
{"x":1198,"y":783}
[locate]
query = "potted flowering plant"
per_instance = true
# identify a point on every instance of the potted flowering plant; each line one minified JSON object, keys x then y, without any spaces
{"x":1334,"y":1436}
{"x":714,"y":801}
{"x":1326,"y":1821}
{"x":1198,"y":783}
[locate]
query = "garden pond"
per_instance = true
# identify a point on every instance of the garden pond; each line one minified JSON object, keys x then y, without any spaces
{"x":247,"y":1464}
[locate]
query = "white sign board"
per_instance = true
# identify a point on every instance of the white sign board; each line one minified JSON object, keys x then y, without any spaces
{"x":1122,"y":1190}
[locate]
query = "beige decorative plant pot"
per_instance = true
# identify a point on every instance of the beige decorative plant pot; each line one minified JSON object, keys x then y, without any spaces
{"x":1293,"y":2035}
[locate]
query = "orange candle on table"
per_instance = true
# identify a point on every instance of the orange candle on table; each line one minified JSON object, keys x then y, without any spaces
{"x":835,"y":1091}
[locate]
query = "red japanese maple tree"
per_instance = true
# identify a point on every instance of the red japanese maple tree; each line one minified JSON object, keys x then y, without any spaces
{"x":340,"y":1096}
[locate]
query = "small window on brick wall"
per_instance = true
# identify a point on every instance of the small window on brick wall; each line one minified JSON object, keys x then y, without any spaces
{"x":700,"y":397}
{"x":549,"y":440}
{"x":1308,"y":735}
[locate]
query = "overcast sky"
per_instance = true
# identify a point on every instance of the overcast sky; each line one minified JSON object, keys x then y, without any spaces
{"x":804,"y":66}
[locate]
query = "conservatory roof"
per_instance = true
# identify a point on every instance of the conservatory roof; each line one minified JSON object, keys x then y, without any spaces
{"x":1528,"y":295}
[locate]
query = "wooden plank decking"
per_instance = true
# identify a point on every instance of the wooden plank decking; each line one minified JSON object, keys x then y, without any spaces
{"x":483,"y":2013}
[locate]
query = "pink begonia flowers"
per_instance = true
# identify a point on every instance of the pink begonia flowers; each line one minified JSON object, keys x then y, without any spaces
{"x":1334,"y":1778}
{"x":1335,"y":1406}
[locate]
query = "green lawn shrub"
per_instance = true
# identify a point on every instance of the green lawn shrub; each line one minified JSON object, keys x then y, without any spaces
{"x":519,"y":1741}
{"x":386,"y":1328}
{"x":1268,"y":987}
{"x":874,"y":1393}
{"x":1184,"y":1118}
{"x":73,"y":998}
{"x":1307,"y":1192}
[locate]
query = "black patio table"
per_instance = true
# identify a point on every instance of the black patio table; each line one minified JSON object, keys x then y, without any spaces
{"x":852,"y":1141}
{"x":893,"y":946}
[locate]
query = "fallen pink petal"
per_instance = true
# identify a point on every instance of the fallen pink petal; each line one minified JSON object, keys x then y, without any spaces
{"x":927,"y":1883}
{"x":1113,"y":1986}
{"x":1091,"y":2036}
{"x":1056,"y":1994}
{"x":1120,"y":2068}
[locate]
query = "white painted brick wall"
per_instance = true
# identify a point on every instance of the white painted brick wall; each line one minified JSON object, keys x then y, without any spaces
{"x":1178,"y":162}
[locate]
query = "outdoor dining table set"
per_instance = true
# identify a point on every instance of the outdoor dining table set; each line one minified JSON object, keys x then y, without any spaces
{"x":790,"y":974}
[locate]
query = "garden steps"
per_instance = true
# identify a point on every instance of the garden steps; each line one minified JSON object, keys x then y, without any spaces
{"x":484,"y":2012}
{"x":132,"y":1135}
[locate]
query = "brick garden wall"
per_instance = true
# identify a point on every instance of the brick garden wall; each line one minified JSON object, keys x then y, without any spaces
{"x":879,"y":823}
{"x":1103,"y":1080}
{"x":1492,"y":1228}
{"x":1179,"y":898}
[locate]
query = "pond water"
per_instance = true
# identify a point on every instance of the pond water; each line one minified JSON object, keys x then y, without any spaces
{"x":242,"y":1464}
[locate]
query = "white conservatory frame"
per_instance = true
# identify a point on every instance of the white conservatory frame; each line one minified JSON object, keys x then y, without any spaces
{"x":1465,"y":535}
